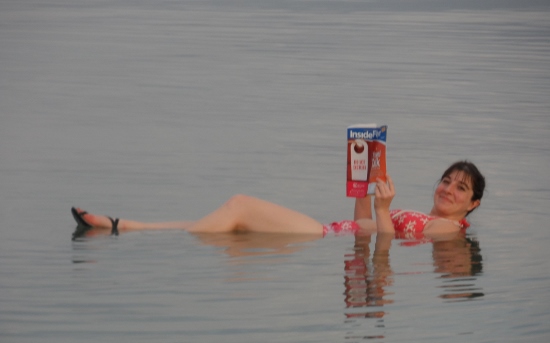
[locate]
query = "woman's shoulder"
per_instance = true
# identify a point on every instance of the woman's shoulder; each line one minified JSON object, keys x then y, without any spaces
{"x":443,"y":225}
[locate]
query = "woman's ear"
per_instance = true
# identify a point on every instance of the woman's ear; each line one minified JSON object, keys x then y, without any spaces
{"x":474,"y":205}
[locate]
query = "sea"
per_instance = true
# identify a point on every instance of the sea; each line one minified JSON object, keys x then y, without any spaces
{"x":162,"y":110}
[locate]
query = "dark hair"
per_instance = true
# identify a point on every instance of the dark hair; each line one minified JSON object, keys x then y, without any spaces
{"x":470,"y":171}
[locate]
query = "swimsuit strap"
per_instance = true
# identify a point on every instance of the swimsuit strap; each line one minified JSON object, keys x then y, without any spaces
{"x":396,"y":213}
{"x":464,"y":223}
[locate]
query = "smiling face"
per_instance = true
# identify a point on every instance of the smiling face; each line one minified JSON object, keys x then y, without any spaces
{"x":453,"y":196}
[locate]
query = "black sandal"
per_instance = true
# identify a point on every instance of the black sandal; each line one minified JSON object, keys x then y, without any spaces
{"x":78,"y":218}
{"x":84,"y":226}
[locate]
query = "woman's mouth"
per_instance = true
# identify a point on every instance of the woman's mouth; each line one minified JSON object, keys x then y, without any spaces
{"x":446,"y":199}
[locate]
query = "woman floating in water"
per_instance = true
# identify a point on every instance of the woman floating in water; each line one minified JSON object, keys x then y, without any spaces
{"x":458,"y":193}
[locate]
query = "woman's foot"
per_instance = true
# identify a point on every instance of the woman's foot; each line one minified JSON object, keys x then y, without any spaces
{"x":89,"y":220}
{"x":90,"y":224}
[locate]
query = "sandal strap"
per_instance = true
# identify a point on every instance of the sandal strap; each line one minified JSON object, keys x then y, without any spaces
{"x":114,"y":230}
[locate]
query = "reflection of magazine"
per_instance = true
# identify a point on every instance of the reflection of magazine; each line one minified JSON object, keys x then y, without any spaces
{"x":366,"y":158}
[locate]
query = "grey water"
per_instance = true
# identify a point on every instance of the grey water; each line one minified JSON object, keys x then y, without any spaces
{"x":161,"y":110}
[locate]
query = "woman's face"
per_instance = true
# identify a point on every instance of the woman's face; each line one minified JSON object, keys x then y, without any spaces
{"x":453,"y":196}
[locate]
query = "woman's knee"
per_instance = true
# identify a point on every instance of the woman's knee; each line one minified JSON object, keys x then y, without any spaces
{"x":238,"y":208}
{"x":238,"y":202}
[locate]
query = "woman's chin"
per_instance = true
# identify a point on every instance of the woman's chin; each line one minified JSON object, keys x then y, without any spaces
{"x":441,"y":210}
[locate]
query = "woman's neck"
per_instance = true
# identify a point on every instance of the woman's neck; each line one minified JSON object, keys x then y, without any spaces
{"x":435,"y":213}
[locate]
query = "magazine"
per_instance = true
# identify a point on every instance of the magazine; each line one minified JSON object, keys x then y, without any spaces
{"x":366,"y":160}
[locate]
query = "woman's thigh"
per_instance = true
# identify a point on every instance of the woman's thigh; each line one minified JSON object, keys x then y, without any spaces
{"x":246,"y":213}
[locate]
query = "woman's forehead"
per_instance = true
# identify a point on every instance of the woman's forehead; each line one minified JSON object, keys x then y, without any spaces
{"x":461,"y":176}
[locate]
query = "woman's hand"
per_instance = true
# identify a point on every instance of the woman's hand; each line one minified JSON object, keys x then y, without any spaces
{"x":384,"y":194}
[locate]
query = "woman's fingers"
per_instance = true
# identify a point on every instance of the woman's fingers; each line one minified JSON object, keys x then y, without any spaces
{"x":384,"y":193}
{"x":383,"y":188}
{"x":379,"y":190}
{"x":390,"y":184}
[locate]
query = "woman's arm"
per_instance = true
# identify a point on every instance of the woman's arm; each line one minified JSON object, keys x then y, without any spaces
{"x":363,"y":214}
{"x":384,"y":194}
{"x":440,"y":227}
{"x":363,"y":208}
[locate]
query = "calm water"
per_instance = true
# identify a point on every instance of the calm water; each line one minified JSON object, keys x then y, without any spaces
{"x":161,"y":110}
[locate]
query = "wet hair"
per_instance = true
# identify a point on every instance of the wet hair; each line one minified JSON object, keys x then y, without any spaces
{"x":470,"y":172}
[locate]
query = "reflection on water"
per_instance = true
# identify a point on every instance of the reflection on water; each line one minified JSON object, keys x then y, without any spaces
{"x":368,"y":278}
{"x":255,"y":244}
{"x":250,"y":255}
{"x":458,"y":261}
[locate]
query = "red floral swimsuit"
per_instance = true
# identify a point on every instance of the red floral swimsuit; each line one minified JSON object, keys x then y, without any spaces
{"x":407,"y":224}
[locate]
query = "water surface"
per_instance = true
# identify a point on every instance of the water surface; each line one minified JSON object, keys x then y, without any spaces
{"x":163,"y":110}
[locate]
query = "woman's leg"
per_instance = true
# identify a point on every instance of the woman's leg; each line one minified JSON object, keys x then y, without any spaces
{"x":240,"y":213}
{"x":245,"y":213}
{"x":103,"y":222}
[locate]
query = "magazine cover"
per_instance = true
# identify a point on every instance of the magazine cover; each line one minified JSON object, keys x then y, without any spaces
{"x":366,"y":158}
